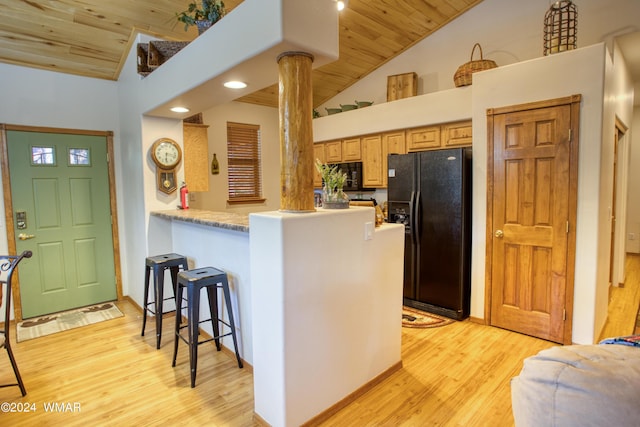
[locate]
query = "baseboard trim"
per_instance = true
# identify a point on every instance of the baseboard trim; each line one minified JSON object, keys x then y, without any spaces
{"x":334,"y":409}
{"x":478,"y":320}
{"x":132,"y":302}
{"x":260,"y":421}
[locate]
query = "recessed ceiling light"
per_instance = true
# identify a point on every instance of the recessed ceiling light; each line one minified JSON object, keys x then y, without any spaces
{"x":234,"y":84}
{"x":180,"y":110}
{"x":341,"y":4}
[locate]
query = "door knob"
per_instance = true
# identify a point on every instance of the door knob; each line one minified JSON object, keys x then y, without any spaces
{"x":23,"y":236}
{"x":499,"y":234}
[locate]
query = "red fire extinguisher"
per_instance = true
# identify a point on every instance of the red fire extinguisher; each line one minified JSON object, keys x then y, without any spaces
{"x":184,"y":196}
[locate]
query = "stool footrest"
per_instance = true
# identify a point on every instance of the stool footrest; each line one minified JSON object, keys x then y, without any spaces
{"x":186,"y":340}
{"x":163,"y":313}
{"x":185,"y":325}
{"x":164,"y":299}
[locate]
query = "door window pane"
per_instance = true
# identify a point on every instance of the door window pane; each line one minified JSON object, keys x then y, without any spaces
{"x":43,"y":156}
{"x":79,"y":157}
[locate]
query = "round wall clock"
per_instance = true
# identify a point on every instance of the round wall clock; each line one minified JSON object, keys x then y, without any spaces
{"x":166,"y":153}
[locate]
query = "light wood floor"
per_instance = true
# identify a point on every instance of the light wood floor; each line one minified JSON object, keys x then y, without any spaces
{"x":456,"y":375}
{"x":624,"y":302}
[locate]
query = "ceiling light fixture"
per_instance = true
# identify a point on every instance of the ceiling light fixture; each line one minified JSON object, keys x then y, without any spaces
{"x":234,"y":84}
{"x":179,"y":109}
{"x":341,"y":4}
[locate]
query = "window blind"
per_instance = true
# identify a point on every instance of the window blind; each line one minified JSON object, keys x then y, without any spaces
{"x":243,"y":155}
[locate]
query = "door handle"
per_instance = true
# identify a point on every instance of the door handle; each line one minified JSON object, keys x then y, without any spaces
{"x":23,"y":236}
{"x":499,"y":234}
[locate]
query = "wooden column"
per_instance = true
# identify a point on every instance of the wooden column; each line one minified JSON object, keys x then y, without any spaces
{"x":296,"y":132}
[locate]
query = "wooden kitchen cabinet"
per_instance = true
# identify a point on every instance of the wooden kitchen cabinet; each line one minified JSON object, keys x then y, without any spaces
{"x":196,"y":156}
{"x":333,"y":151}
{"x":456,"y":134}
{"x":373,"y":150}
{"x":392,"y":143}
{"x":372,"y":168}
{"x":318,"y":153}
{"x":351,"y":151}
{"x":423,"y":138}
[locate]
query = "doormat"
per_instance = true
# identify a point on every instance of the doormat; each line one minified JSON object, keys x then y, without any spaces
{"x":58,"y":322}
{"x":412,"y":318}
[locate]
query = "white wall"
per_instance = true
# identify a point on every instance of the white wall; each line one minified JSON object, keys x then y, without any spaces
{"x":138,"y":191}
{"x":325,"y":315}
{"x":217,"y":117}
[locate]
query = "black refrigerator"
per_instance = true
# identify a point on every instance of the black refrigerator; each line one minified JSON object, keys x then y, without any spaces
{"x":430,"y":193}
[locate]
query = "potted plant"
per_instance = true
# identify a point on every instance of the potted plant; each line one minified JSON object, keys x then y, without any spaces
{"x":333,"y":180}
{"x":203,"y":14}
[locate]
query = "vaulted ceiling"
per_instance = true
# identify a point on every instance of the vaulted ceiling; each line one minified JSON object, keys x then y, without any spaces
{"x":92,"y":38}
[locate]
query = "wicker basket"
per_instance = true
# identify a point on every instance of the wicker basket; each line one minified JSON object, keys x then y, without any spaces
{"x":464,"y":74}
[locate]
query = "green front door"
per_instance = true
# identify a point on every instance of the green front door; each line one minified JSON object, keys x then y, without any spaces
{"x":61,"y":212}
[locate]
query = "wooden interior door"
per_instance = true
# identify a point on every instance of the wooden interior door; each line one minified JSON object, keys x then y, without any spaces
{"x":614,"y":216}
{"x":533,"y":164}
{"x":614,"y":274}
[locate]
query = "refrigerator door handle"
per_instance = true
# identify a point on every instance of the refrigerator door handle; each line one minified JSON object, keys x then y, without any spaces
{"x":417,"y":216}
{"x":412,"y":217}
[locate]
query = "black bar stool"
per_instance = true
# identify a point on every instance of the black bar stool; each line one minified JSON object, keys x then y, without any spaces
{"x":194,"y":280}
{"x":159,"y":264}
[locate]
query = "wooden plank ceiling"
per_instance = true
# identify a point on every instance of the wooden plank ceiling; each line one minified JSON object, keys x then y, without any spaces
{"x":92,"y":38}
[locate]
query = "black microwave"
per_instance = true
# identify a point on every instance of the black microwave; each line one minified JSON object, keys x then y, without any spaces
{"x":354,"y":175}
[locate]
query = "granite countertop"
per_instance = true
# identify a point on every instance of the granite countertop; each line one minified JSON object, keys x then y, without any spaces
{"x":228,"y":220}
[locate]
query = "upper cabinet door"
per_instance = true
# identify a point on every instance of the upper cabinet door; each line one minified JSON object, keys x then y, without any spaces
{"x":196,"y":156}
{"x":351,"y":150}
{"x":423,"y":138}
{"x":457,"y":134}
{"x":372,"y":173}
{"x":333,"y":151}
{"x":392,"y":143}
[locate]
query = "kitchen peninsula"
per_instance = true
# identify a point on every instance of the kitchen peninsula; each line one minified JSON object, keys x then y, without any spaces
{"x":226,"y":220}
{"x":317,"y":298}
{"x":216,"y":239}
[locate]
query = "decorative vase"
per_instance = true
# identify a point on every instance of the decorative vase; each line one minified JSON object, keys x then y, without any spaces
{"x":334,"y":199}
{"x":203,"y":26}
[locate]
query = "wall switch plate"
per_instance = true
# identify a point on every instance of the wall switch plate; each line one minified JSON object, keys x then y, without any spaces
{"x":368,"y":230}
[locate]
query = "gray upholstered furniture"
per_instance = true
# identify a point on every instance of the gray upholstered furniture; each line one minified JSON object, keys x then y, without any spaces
{"x":579,"y":385}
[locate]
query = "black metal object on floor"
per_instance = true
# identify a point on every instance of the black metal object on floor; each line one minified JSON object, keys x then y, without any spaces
{"x":8,"y":264}
{"x":159,"y":264}
{"x":195,"y":280}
